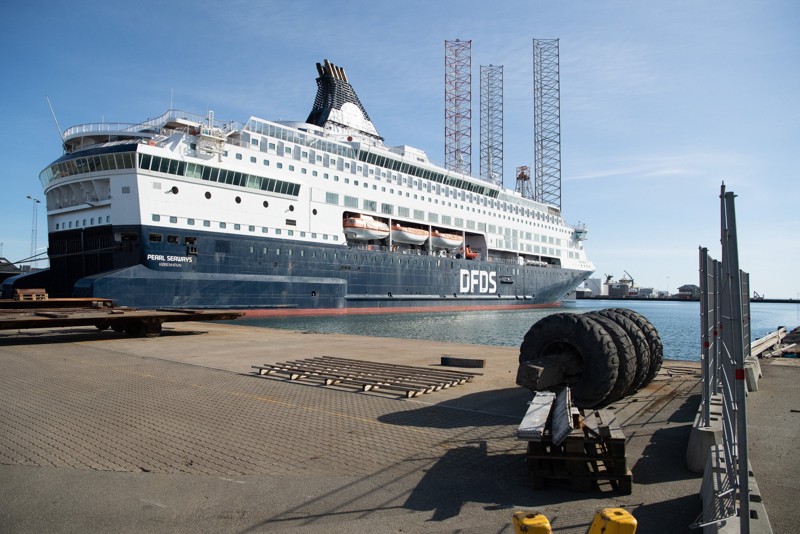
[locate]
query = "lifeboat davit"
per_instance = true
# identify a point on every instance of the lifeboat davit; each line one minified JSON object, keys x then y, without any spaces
{"x":445,"y":240}
{"x":364,"y":228}
{"x":408,"y":234}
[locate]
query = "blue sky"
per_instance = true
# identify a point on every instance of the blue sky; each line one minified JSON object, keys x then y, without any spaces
{"x":660,"y":102}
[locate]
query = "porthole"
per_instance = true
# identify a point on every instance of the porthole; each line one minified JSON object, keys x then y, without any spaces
{"x":266,"y":204}
{"x":291,"y":208}
{"x":174,"y":189}
{"x":314,"y":211}
{"x":208,"y":194}
{"x":238,"y":200}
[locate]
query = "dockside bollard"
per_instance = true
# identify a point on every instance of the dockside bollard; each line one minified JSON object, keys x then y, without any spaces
{"x":531,"y":523}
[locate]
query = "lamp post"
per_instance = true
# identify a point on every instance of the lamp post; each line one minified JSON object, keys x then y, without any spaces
{"x":35,"y":202}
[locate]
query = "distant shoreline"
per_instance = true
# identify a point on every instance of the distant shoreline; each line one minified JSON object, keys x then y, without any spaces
{"x":671,"y":299}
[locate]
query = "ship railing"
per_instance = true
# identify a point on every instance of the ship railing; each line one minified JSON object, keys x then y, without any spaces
{"x":93,"y":128}
{"x":149,"y":124}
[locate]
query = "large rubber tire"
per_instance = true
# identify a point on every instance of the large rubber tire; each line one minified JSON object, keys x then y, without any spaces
{"x":583,"y":346}
{"x":626,"y":353}
{"x":640,"y":347}
{"x":653,"y":341}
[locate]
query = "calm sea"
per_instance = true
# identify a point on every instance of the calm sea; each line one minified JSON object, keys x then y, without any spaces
{"x":678,"y":323}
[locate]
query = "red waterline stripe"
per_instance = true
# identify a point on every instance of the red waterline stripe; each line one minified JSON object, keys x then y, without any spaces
{"x":294,"y":312}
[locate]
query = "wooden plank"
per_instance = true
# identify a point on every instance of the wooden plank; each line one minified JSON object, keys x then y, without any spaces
{"x":366,"y":377}
{"x":52,"y":315}
{"x":561,"y":420}
{"x":462,"y":362}
{"x":443,"y":372}
{"x":378,"y":372}
{"x":532,"y":427}
{"x":383,"y":371}
{"x":397,"y":369}
{"x":296,"y":373}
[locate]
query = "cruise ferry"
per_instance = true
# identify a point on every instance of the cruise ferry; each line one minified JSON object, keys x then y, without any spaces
{"x":185,"y":210}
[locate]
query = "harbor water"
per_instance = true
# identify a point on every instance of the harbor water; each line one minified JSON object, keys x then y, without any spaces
{"x":678,"y":323}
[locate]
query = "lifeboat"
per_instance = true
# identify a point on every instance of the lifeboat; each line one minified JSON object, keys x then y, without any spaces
{"x":364,"y":228}
{"x":445,"y":240}
{"x":408,"y":234}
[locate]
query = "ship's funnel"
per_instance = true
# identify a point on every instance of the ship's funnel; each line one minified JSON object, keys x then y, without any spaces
{"x":337,"y":107}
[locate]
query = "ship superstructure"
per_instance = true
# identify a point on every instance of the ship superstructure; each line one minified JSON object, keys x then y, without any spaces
{"x":185,"y":210}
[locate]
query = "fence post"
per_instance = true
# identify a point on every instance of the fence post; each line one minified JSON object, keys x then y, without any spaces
{"x":736,"y":337}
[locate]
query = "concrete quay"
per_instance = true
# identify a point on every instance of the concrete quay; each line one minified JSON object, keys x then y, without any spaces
{"x":104,"y":433}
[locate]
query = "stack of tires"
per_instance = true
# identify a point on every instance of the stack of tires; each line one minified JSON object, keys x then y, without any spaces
{"x":603,"y":355}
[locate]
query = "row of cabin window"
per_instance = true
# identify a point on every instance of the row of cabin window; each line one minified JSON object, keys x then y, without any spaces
{"x":250,"y":228}
{"x":215,"y":174}
{"x":101,"y":162}
{"x":91,"y":222}
{"x":485,"y":201}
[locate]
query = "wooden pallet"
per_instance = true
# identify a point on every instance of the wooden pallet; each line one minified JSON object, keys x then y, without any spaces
{"x":368,"y":376}
{"x":30,"y":294}
{"x":593,"y":453}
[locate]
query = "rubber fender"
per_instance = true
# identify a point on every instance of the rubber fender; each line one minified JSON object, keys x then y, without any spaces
{"x":583,"y":346}
{"x":613,"y":521}
{"x":531,"y":523}
{"x":626,"y":372}
{"x":653,"y":339}
{"x":640,"y":346}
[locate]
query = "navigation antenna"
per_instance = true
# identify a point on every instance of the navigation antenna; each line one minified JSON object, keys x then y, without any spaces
{"x":547,"y":121}
{"x":53,"y":113}
{"x":458,"y":106}
{"x":492,"y":123}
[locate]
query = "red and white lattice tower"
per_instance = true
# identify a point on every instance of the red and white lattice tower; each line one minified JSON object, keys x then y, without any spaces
{"x":458,"y":106}
{"x":547,"y":122}
{"x":492,"y":123}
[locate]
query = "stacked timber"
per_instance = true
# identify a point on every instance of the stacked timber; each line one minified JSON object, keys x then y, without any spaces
{"x":572,"y":447}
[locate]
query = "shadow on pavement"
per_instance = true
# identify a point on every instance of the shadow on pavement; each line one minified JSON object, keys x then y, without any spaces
{"x":483,"y":408}
{"x":470,"y":474}
{"x":75,"y":335}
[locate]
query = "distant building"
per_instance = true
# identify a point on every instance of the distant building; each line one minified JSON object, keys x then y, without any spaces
{"x":618,"y":290}
{"x":688,"y":292}
{"x":597,"y":287}
{"x":646,"y":293}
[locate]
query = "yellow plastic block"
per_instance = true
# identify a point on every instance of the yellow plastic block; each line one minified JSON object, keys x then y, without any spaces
{"x":531,"y":523}
{"x":613,"y":521}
